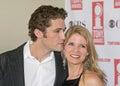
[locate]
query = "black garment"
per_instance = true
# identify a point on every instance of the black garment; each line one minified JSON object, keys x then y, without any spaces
{"x":73,"y":82}
{"x":12,"y":68}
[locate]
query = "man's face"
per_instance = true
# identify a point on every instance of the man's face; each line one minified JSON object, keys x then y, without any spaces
{"x":54,"y":36}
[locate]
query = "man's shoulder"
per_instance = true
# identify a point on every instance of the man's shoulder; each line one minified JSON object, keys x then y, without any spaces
{"x":12,"y":52}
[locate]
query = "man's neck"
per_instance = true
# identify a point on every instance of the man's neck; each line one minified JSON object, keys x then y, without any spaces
{"x":38,"y":52}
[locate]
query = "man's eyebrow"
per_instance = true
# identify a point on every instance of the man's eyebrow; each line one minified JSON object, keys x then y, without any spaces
{"x":60,"y":28}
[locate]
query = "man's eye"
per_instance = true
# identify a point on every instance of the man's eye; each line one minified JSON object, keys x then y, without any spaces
{"x":57,"y":31}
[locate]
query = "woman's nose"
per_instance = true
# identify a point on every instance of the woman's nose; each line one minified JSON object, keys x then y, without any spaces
{"x":76,"y":49}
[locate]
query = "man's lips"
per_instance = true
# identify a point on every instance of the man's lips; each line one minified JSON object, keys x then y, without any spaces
{"x":61,"y":43}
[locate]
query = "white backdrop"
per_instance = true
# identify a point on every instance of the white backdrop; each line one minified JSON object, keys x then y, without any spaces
{"x":102,"y":18}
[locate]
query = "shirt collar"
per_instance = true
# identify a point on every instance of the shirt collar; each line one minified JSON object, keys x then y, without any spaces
{"x":27,"y":49}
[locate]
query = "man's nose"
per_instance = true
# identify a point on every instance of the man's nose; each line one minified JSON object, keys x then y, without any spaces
{"x":62,"y":35}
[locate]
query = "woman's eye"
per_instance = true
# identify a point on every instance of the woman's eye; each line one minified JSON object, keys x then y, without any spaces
{"x":71,"y":44}
{"x":82,"y":46}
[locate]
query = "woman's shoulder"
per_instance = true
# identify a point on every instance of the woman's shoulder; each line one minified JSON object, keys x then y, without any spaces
{"x":91,"y":79}
{"x":90,"y":74}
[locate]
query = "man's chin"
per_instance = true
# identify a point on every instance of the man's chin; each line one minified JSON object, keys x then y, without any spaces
{"x":59,"y":49}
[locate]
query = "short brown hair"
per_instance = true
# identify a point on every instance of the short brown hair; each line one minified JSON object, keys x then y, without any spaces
{"x":40,"y":19}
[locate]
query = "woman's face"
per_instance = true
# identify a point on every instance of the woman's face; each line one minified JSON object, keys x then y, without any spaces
{"x":75,"y":49}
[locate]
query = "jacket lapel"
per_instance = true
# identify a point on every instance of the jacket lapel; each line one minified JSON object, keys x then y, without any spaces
{"x":61,"y":70}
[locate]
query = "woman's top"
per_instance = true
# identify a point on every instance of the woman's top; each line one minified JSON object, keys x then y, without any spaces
{"x":73,"y":82}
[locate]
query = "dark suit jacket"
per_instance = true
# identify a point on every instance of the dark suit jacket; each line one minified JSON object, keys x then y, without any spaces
{"x":12,"y":68}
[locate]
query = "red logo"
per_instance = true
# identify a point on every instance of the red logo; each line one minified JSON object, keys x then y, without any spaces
{"x":76,"y":4}
{"x":104,"y":59}
{"x":97,"y":25}
{"x":117,"y":72}
{"x":116,"y":3}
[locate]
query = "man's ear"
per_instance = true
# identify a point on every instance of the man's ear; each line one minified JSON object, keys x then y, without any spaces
{"x":38,"y":33}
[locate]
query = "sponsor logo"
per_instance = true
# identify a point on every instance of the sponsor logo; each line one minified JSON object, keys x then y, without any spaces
{"x":104,"y":59}
{"x":116,"y":3}
{"x":76,"y":4}
{"x":97,"y":23}
{"x":117,"y":72}
{"x":113,"y":43}
{"x":114,"y":23}
{"x":77,"y":22}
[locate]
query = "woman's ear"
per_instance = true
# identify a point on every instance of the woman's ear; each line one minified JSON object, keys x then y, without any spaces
{"x":87,"y":53}
{"x":38,"y":33}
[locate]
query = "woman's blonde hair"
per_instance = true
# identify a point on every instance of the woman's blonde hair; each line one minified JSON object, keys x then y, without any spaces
{"x":91,"y":61}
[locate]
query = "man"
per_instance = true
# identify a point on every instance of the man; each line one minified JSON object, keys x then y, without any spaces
{"x":37,"y":62}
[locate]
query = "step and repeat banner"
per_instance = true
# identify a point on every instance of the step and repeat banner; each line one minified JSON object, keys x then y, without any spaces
{"x":102,"y":19}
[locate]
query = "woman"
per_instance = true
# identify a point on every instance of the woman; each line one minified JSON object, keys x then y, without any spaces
{"x":82,"y":59}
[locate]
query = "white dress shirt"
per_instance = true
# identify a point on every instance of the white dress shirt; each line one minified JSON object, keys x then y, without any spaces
{"x":38,"y":73}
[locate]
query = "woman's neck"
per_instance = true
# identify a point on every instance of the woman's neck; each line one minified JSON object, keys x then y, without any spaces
{"x":74,"y":70}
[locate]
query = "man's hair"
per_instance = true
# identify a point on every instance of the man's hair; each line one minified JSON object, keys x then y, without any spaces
{"x":41,"y":18}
